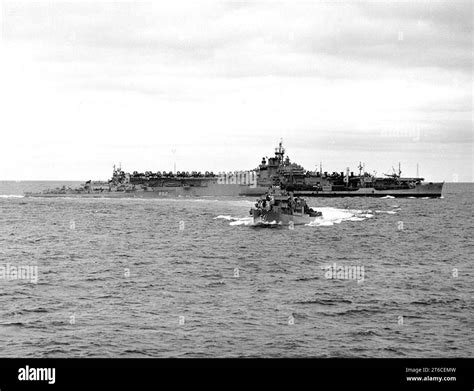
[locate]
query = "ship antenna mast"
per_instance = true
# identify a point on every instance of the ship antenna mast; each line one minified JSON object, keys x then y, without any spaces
{"x":399,"y":169}
{"x":360,"y":168}
{"x":173,"y":151}
{"x":280,"y":151}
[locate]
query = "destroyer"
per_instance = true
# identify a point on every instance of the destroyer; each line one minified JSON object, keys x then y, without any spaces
{"x":281,"y":207}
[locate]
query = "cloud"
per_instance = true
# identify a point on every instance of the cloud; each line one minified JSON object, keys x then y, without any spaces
{"x":270,"y":37}
{"x":215,"y":72}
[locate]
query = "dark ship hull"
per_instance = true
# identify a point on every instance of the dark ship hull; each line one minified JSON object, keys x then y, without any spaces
{"x":283,"y":219}
{"x":281,"y":207}
{"x":211,"y":190}
{"x":430,"y":190}
{"x":277,"y":172}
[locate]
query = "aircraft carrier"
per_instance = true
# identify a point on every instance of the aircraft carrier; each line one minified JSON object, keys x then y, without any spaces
{"x":275,"y":171}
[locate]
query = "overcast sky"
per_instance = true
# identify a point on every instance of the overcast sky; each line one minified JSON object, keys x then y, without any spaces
{"x":84,"y":85}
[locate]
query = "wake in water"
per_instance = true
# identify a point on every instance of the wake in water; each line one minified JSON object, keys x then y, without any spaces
{"x":330,"y":217}
{"x":236,"y":220}
{"x":333,"y":216}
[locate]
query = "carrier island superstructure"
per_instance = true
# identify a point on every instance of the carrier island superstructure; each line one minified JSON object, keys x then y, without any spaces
{"x":278,"y":170}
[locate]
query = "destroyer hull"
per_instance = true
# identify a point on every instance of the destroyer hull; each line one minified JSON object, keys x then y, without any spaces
{"x":282,"y":219}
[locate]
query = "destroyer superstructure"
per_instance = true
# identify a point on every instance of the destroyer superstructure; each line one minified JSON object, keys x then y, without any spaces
{"x":281,"y":207}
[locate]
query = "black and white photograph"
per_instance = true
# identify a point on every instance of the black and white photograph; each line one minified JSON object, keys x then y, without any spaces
{"x":236,"y":181}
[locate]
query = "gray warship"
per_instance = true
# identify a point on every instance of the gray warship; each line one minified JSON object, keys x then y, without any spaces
{"x":278,"y":170}
{"x":282,"y":208}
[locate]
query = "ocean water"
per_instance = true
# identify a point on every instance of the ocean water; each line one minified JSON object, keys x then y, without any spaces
{"x":194,"y":278}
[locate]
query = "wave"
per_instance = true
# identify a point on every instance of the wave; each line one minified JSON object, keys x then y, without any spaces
{"x":389,"y":212}
{"x":355,"y":218}
{"x":224,"y":217}
{"x":330,"y":216}
{"x":325,"y":301}
{"x":387,"y":197}
{"x":364,"y":333}
{"x":11,"y":196}
{"x":242,"y":221}
{"x":333,"y":216}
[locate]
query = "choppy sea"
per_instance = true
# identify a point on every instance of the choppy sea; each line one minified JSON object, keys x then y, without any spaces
{"x":194,"y":278}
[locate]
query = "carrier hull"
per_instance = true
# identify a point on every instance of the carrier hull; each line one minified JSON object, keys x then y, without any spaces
{"x":213,"y":190}
{"x":433,"y":190}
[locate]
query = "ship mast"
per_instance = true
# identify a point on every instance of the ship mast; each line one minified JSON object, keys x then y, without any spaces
{"x":280,"y":151}
{"x":173,"y":151}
